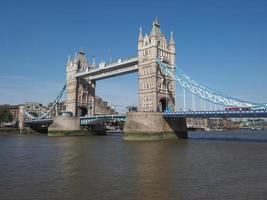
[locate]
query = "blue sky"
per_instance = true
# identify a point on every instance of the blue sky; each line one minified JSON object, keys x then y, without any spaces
{"x":222,"y":44}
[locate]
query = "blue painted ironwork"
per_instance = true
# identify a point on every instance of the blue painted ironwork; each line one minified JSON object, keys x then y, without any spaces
{"x":45,"y":115}
{"x":205,"y":92}
{"x":217,"y":114}
{"x":101,"y":118}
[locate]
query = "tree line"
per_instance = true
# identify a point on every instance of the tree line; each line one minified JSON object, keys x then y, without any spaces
{"x":5,"y":115}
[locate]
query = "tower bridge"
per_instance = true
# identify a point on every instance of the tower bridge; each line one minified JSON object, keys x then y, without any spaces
{"x":157,"y":78}
{"x":156,"y":90}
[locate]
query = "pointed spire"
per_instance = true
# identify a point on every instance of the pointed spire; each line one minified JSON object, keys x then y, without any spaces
{"x":153,"y":31}
{"x":68,"y":62}
{"x":75,"y":60}
{"x":140,"y":35}
{"x":81,"y":51}
{"x":171,"y":39}
{"x":156,"y":21}
{"x":155,"y":28}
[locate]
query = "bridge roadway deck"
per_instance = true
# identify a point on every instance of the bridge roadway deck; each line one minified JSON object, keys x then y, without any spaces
{"x":186,"y":114}
{"x":118,"y":68}
{"x":38,"y":122}
{"x":217,"y":114}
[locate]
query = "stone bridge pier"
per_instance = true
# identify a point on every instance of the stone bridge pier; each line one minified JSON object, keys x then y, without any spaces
{"x":21,"y":119}
{"x":152,"y":126}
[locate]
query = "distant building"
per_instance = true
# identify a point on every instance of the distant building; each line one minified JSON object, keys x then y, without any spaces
{"x":13,"y":109}
{"x":34,"y":108}
{"x":197,"y":123}
{"x":210,"y":124}
{"x":253,"y":123}
{"x":220,"y":123}
{"x":102,"y":107}
{"x":59,"y":108}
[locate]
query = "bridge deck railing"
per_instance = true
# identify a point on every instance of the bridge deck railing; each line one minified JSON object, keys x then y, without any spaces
{"x":89,"y":119}
{"x":218,"y":114}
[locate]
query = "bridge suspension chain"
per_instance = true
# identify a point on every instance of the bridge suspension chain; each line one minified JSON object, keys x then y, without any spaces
{"x":204,"y":92}
{"x":45,"y":114}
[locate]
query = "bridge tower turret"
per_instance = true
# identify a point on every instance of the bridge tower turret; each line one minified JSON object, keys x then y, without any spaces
{"x":80,"y":92}
{"x":156,"y":90}
{"x":171,"y":48}
{"x":71,"y":83}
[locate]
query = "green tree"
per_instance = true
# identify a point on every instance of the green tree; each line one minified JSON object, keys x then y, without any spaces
{"x":5,"y":115}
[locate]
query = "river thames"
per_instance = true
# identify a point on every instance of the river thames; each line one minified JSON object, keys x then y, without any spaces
{"x":207,"y":166}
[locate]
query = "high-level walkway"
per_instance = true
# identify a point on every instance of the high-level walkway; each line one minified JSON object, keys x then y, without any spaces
{"x":103,"y":71}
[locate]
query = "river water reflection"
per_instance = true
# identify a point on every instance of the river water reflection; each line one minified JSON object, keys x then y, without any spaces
{"x":206,"y":166}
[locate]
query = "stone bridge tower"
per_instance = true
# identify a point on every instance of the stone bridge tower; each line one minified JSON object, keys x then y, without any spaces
{"x":156,"y":90}
{"x":80,"y":92}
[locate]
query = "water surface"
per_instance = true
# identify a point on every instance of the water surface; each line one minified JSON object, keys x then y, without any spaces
{"x":206,"y":166}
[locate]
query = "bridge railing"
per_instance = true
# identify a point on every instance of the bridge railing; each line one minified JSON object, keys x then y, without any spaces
{"x":121,"y":61}
{"x":218,"y":114}
{"x":90,"y":119}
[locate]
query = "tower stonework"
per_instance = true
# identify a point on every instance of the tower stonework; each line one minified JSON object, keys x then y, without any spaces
{"x":80,"y":93}
{"x":156,"y":90}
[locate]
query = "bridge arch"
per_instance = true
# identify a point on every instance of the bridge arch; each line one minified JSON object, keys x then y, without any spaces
{"x":162,"y":104}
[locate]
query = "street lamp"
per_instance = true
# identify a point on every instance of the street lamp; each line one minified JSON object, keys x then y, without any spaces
{"x":109,"y":51}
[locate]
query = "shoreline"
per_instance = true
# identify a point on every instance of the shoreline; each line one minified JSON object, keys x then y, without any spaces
{"x":16,"y":131}
{"x":9,"y":131}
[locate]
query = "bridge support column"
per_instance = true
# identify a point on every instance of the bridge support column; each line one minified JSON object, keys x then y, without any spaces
{"x":152,"y":126}
{"x":65,"y":126}
{"x":21,"y":119}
